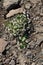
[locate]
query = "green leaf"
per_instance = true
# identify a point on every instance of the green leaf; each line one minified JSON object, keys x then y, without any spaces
{"x":22,"y":46}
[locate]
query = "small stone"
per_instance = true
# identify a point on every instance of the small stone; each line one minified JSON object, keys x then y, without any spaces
{"x":12,"y":62}
{"x":7,"y":3}
{"x":28,"y":53}
{"x":13,"y":42}
{"x":12,"y":12}
{"x":27,"y":6}
{"x":3,"y":44}
{"x":34,"y":1}
{"x":31,"y":44}
{"x":41,"y":23}
{"x":41,"y":14}
{"x":14,"y":53}
{"x":7,"y":60}
{"x":33,"y":63}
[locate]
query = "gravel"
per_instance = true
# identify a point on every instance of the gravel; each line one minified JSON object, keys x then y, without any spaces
{"x":11,"y":54}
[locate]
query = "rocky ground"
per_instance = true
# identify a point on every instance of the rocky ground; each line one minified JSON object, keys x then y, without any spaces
{"x":10,"y":53}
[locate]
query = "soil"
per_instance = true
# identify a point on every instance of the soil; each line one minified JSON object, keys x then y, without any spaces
{"x":10,"y":53}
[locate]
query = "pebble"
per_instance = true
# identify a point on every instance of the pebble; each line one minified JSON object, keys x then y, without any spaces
{"x":12,"y":62}
{"x":34,"y":1}
{"x":33,"y":63}
{"x":7,"y":60}
{"x":14,"y":42}
{"x":3,"y":44}
{"x":7,"y":3}
{"x":28,"y":52}
{"x":14,"y":11}
{"x":27,"y":6}
{"x":30,"y":55}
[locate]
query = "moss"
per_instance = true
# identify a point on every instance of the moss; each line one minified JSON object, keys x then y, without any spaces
{"x":16,"y":25}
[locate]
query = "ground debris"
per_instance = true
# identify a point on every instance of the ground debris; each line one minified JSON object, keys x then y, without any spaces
{"x":30,"y":53}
